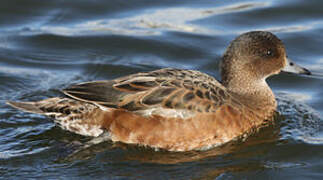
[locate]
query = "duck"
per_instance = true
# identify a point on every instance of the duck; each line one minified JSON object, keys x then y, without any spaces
{"x":177,"y":109}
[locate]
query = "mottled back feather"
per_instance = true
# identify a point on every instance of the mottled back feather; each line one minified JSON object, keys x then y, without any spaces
{"x":169,"y":88}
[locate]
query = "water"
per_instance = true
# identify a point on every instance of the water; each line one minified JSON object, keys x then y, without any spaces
{"x":47,"y":45}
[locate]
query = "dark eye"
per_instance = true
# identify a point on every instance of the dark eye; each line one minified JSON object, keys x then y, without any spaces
{"x":269,"y":53}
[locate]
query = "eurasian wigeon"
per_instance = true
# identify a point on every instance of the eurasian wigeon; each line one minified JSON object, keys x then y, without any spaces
{"x":175,"y":109}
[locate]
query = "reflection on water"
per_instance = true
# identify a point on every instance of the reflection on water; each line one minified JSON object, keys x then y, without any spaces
{"x":150,"y":22}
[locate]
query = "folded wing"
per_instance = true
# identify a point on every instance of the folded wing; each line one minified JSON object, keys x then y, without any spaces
{"x":166,"y":88}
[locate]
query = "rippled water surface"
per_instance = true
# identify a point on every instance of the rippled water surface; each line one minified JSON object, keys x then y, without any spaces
{"x":47,"y":45}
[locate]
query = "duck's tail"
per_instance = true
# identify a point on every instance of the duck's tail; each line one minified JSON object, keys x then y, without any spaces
{"x":68,"y":113}
{"x":32,"y":107}
{"x":47,"y":107}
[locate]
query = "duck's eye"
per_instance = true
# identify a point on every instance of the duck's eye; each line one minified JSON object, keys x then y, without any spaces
{"x":269,"y":53}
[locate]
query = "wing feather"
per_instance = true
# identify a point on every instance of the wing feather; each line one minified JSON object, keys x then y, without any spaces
{"x":167,"y":88}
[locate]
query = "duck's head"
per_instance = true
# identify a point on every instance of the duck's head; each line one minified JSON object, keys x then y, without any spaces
{"x":254,"y":56}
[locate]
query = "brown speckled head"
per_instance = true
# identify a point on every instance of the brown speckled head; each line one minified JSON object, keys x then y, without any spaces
{"x":253,"y":56}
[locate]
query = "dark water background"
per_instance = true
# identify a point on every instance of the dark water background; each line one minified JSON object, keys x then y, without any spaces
{"x":47,"y":45}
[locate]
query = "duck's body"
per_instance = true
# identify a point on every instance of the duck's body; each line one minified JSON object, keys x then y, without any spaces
{"x":173,"y":109}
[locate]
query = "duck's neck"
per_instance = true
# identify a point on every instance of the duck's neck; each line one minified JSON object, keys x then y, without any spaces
{"x":256,"y":93}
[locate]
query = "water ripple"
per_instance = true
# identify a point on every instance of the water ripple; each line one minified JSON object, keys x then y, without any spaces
{"x":150,"y":22}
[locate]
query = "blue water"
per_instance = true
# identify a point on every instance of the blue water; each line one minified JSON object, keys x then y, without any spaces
{"x":47,"y":45}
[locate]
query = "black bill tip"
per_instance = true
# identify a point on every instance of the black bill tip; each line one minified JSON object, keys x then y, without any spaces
{"x":306,"y":71}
